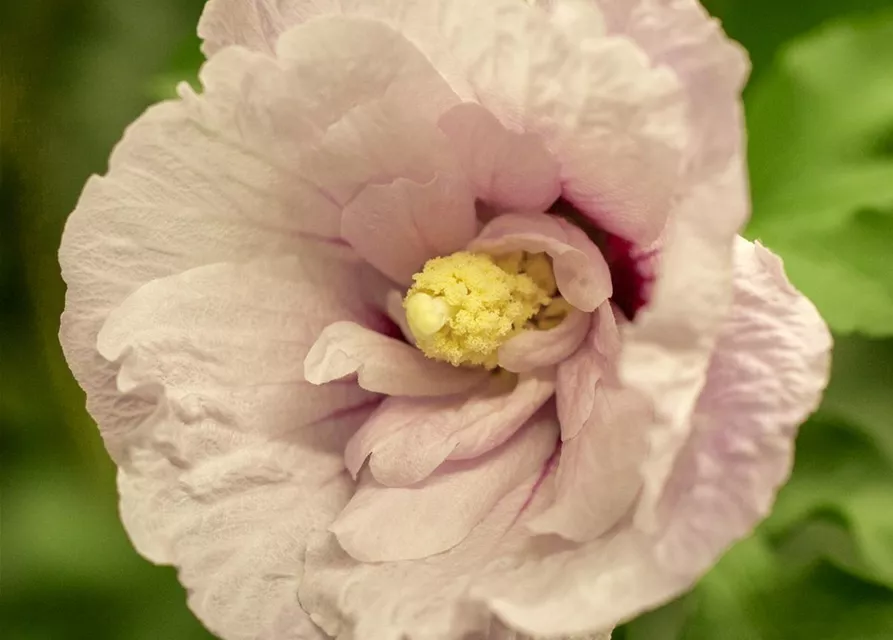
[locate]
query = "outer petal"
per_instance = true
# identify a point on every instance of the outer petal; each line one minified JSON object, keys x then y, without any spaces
{"x":383,"y":364}
{"x":241,"y":458}
{"x":405,"y":523}
{"x":617,"y":126}
{"x":220,"y":176}
{"x":667,"y":350}
{"x":407,"y":438}
{"x":510,"y":171}
{"x":256,"y":24}
{"x":713,"y":69}
{"x":766,"y":375}
{"x":581,"y":272}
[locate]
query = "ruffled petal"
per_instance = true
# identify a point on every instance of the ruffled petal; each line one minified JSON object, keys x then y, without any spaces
{"x":603,"y":439}
{"x":576,"y":380}
{"x":408,"y":438}
{"x":429,"y":597}
{"x":579,"y":374}
{"x":176,"y":330}
{"x":667,"y":350}
{"x":618,"y":127}
{"x":765,"y":378}
{"x":235,"y":521}
{"x":259,"y":24}
{"x":383,"y":364}
{"x":598,"y":472}
{"x":222,"y":176}
{"x":581,"y":272}
{"x":766,"y":375}
{"x":400,"y":226}
{"x":510,"y":171}
{"x":256,"y":24}
{"x":240,"y":458}
{"x":713,"y":69}
{"x":536,"y":349}
{"x":383,"y":524}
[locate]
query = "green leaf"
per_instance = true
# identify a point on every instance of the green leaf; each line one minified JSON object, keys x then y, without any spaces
{"x":763,"y":26}
{"x":820,"y":124}
{"x":834,"y":505}
{"x":756,"y":593}
{"x":859,"y":393}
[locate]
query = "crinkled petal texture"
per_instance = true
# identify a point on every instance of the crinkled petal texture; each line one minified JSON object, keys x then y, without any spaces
{"x":615,"y":122}
{"x":200,"y":272}
{"x":233,"y":296}
{"x":764,"y":377}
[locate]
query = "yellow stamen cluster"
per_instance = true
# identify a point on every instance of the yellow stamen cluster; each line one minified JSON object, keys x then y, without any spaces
{"x":463,"y":307}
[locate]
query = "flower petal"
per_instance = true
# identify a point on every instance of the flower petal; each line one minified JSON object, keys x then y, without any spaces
{"x":766,"y":375}
{"x":683,"y":36}
{"x":536,"y":349}
{"x":604,"y":439}
{"x":400,"y":226}
{"x":382,"y":524}
{"x":667,"y":350}
{"x":581,"y":272}
{"x":259,"y":24}
{"x":383,"y":364}
{"x":407,"y":438}
{"x":241,"y":458}
{"x":177,"y":330}
{"x":598,"y":472}
{"x":430,"y":597}
{"x":618,"y":125}
{"x":221,"y":176}
{"x":510,"y":171}
{"x":579,"y":374}
{"x":427,"y":597}
{"x":236,"y":521}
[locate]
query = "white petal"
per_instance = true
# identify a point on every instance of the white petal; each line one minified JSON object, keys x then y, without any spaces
{"x":766,"y":375}
{"x":241,"y":458}
{"x":615,"y":121}
{"x":407,"y":438}
{"x":666,"y":351}
{"x":224,"y":176}
{"x":421,"y":598}
{"x":712,"y":68}
{"x":536,"y":349}
{"x":383,"y":364}
{"x":581,"y":272}
{"x":510,"y":171}
{"x":403,"y":523}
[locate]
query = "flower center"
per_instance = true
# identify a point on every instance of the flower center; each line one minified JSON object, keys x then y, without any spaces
{"x":464,"y":306}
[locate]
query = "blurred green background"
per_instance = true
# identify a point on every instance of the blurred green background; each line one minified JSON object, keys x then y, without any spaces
{"x":820,"y":118}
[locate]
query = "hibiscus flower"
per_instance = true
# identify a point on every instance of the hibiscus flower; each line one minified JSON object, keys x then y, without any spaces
{"x":430,"y":319}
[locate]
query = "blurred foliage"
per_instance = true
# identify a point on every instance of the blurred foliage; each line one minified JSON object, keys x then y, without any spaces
{"x":820,"y":119}
{"x":822,"y":168}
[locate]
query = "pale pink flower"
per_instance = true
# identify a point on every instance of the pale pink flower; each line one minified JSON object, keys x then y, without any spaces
{"x":235,"y":316}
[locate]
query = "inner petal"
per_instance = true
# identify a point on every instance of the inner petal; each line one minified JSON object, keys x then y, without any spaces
{"x":581,"y":272}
